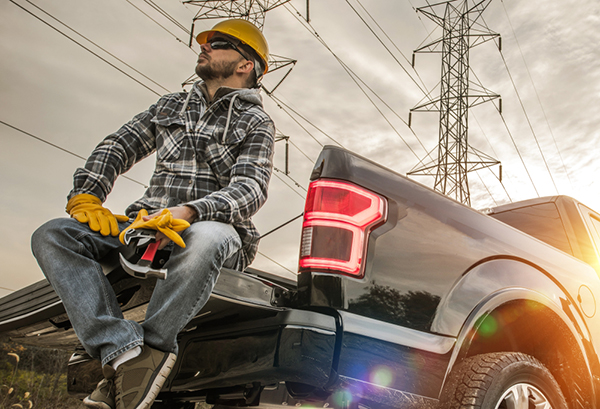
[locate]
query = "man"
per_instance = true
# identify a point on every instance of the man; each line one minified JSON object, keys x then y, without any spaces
{"x":214,"y":150}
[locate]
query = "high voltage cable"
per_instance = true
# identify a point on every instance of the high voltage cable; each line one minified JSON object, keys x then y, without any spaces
{"x":103,"y":49}
{"x":536,"y":92}
{"x":291,"y":178}
{"x":301,"y":151}
{"x":279,"y":264}
{"x":384,"y":45}
{"x":281,"y":225}
{"x":519,"y":153}
{"x":528,"y":121}
{"x":313,"y":125}
{"x":62,"y":149}
{"x":285,"y":183}
{"x":85,"y":48}
{"x":495,"y":155}
{"x":486,"y":188}
{"x":167,"y":16}
{"x":350,"y":73}
{"x":160,"y":25}
{"x":297,"y":122}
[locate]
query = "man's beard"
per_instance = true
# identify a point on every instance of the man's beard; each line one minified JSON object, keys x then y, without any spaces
{"x":211,"y":71}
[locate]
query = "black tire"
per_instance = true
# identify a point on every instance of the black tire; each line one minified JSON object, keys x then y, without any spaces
{"x":492,"y":381}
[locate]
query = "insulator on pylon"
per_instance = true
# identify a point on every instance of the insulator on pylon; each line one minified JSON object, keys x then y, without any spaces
{"x":500,"y":174}
{"x":413,"y":60}
{"x":409,"y":119}
{"x":500,"y":105}
{"x":500,"y":44}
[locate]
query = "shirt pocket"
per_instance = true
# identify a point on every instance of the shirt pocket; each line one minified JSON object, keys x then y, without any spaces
{"x":170,"y":132}
{"x":228,"y":131}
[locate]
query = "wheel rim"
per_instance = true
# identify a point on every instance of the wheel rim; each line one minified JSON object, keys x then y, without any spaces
{"x":523,"y":396}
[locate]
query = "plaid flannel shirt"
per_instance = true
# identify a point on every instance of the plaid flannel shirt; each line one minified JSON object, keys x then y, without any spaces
{"x":223,"y":175}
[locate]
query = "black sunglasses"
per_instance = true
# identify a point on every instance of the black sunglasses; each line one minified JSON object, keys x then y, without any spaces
{"x":222,"y":44}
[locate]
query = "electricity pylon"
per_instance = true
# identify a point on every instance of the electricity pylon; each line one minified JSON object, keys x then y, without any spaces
{"x":252,"y":10}
{"x":463,"y":29}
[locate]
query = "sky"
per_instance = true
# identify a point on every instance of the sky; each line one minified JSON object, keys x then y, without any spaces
{"x":58,"y":100}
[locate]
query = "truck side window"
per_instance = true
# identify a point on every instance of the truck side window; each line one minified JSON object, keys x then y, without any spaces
{"x":541,"y":221}
{"x":592,"y":220}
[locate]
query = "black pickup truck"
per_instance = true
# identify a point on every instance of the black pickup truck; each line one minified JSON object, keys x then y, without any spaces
{"x":404,"y":299}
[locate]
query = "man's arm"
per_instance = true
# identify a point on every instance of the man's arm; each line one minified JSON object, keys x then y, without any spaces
{"x":116,"y":154}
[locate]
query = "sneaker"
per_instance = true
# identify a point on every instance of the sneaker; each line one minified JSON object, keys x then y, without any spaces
{"x":103,"y":396}
{"x":139,"y":380}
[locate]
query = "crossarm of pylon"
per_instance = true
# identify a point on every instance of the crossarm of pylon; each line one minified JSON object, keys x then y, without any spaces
{"x":482,"y":38}
{"x":430,"y":106}
{"x":430,"y":47}
{"x":485,"y":160}
{"x":425,"y":169}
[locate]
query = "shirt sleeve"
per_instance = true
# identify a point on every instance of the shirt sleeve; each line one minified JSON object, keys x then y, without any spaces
{"x":250,"y":175}
{"x":115,"y":155}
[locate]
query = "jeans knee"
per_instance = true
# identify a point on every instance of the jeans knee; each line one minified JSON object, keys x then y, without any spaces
{"x":45,"y":234}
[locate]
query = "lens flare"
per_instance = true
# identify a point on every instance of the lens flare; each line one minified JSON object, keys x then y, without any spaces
{"x":342,"y":398}
{"x":487,"y":326}
{"x":381,"y":376}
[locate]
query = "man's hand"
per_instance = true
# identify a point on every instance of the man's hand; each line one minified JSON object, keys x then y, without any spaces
{"x":88,"y":209}
{"x":186,"y":213}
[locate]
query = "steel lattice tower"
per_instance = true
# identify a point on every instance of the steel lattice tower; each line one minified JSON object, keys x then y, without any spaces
{"x":462,"y":30}
{"x":252,"y":10}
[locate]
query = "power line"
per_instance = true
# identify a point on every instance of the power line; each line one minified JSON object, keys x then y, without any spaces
{"x":167,"y":16}
{"x":383,"y":44}
{"x":528,"y":121}
{"x":519,"y":153}
{"x":289,"y":177}
{"x":309,"y":122}
{"x":350,"y":73}
{"x":103,"y":49}
{"x":301,"y":151}
{"x":536,"y":92}
{"x":85,"y":48}
{"x":160,"y":25}
{"x":282,"y":225}
{"x":279,"y":264}
{"x":62,"y":149}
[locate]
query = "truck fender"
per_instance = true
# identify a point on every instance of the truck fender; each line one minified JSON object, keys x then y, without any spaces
{"x":494,"y":284}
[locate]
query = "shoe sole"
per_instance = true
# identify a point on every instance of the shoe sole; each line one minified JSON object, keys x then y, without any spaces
{"x":157,"y":383}
{"x":95,"y":404}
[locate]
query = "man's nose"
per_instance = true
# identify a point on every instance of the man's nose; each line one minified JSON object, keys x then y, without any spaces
{"x":205,"y":47}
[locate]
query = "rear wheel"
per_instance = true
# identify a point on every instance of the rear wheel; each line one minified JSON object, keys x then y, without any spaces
{"x":503,"y":380}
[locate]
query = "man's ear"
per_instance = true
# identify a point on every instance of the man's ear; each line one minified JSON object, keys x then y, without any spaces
{"x":245,"y":67}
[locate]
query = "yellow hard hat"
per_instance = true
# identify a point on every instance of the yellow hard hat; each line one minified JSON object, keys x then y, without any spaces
{"x":244,"y":31}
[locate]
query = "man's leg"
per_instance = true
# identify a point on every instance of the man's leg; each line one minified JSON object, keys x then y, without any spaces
{"x":193,"y":272}
{"x":67,"y":252}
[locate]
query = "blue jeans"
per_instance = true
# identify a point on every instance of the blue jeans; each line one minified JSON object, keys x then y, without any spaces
{"x":68,"y":253}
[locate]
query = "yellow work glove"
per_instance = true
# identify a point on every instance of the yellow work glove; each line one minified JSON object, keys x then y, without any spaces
{"x":88,"y":209}
{"x":164,"y":223}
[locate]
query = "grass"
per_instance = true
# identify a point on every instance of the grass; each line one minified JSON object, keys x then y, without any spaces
{"x":33,"y":377}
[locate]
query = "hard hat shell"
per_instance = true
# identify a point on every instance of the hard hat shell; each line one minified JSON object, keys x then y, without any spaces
{"x":244,"y":31}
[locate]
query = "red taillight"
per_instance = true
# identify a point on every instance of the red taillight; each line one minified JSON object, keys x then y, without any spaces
{"x":338,"y":218}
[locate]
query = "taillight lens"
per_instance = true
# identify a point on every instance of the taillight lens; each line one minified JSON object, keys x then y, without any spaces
{"x":338,"y":218}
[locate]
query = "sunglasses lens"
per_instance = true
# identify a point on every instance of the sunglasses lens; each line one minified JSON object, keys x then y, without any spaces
{"x":221,"y":45}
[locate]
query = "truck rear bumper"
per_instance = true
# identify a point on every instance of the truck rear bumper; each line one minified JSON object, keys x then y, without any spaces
{"x":218,"y":358}
{"x":292,"y":345}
